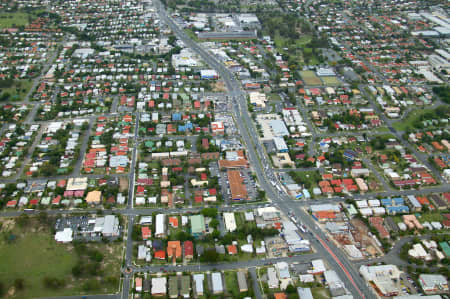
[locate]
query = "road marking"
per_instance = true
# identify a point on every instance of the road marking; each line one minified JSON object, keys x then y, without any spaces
{"x":340,"y":265}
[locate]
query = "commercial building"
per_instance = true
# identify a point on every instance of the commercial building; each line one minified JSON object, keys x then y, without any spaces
{"x":433,"y":283}
{"x":230,"y":222}
{"x":280,"y":145}
{"x":208,"y":74}
{"x":385,"y":278}
{"x":279,"y":128}
{"x":237,"y":188}
{"x":65,"y":236}
{"x":111,"y":226}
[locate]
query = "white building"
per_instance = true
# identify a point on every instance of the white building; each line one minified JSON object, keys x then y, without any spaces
{"x":217,"y":284}
{"x":160,"y":227}
{"x":230,"y":222}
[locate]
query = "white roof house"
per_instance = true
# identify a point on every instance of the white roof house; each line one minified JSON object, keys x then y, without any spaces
{"x":160,"y":227}
{"x":198,"y":283}
{"x":272,"y":278}
{"x":159,"y":285}
{"x":217,"y":285}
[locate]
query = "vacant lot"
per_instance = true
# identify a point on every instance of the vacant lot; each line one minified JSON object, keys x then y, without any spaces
{"x":410,"y":119}
{"x":13,"y":19}
{"x":30,"y":255}
{"x":310,"y":78}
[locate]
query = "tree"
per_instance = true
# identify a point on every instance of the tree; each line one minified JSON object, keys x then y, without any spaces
{"x":77,"y":270}
{"x":290,"y":289}
{"x":210,"y":256}
{"x":214,"y":223}
{"x":19,"y":284}
{"x":209,"y":212}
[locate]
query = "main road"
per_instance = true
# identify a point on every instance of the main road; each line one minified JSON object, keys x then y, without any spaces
{"x":257,"y":158}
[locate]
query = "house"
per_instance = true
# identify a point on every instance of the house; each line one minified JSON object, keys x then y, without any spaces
{"x":304,"y":293}
{"x":174,"y":249}
{"x":138,"y":284}
{"x":94,"y":197}
{"x":173,"y":287}
{"x":272,"y":278}
{"x":242,"y":281}
{"x":185,"y":288}
{"x":198,"y":227}
{"x":198,"y":284}
{"x":146,"y":233}
{"x":159,"y":287}
{"x":160,"y":226}
{"x":188,"y":250}
{"x":217,"y":283}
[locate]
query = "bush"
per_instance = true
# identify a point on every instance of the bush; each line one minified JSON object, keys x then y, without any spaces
{"x":53,"y":282}
{"x":19,"y":284}
{"x":77,"y":270}
{"x":91,"y":285}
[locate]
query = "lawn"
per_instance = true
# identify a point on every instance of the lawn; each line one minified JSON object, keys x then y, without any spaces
{"x":13,"y":19}
{"x":431,"y":217}
{"x":310,"y":78}
{"x":308,"y":178}
{"x":30,"y":253}
{"x":331,"y":80}
{"x":409,"y":120}
{"x":320,"y":293}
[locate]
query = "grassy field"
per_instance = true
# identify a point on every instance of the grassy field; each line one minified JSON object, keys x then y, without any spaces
{"x":281,"y":42}
{"x":310,"y":78}
{"x":409,"y":120}
{"x":332,"y":80}
{"x":300,"y":45}
{"x":18,"y":91}
{"x":11,"y":19}
{"x":29,"y":253}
